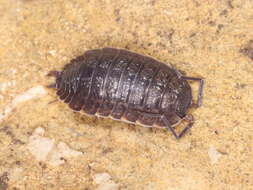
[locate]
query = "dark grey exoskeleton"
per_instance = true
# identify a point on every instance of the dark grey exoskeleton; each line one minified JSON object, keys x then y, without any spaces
{"x":126,"y":85}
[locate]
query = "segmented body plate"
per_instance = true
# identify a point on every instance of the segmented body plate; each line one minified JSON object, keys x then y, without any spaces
{"x":123,"y":85}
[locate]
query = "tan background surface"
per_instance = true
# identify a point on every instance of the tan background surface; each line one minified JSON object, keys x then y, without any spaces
{"x":202,"y":38}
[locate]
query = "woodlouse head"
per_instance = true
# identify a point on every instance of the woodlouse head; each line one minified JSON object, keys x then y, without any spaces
{"x":183,"y":102}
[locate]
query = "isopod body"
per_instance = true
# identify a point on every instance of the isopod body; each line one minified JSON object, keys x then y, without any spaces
{"x":124,"y":85}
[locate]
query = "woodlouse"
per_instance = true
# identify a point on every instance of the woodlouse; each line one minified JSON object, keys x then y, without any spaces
{"x":127,"y":86}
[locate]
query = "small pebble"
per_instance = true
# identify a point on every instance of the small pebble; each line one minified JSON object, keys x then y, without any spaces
{"x":104,"y":182}
{"x":214,"y":155}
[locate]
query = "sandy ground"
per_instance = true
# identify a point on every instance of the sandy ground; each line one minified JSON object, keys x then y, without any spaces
{"x":44,"y":145}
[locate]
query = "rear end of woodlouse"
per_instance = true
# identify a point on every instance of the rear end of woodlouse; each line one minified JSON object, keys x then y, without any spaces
{"x":127,"y":86}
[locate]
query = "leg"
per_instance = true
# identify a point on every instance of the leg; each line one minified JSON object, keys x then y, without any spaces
{"x":164,"y":119}
{"x":168,"y":125}
{"x":188,"y":118}
{"x":200,"y":91}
